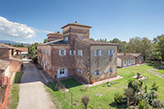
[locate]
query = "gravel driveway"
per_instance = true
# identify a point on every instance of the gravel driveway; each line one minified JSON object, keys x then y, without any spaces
{"x":32,"y":92}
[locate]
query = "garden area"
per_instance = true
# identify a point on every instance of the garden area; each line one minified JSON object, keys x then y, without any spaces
{"x":115,"y":94}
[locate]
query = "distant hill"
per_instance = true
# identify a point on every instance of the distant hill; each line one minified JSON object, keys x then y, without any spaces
{"x":12,"y":42}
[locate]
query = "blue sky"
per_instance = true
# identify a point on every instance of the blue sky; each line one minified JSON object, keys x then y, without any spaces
{"x":31,"y":20}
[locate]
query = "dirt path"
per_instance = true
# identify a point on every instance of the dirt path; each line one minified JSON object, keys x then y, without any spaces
{"x":32,"y":92}
{"x":155,"y":72}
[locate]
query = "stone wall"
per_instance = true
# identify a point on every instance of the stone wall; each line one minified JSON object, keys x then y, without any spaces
{"x":46,"y":57}
{"x":54,"y":36}
{"x":62,"y":61}
{"x":82,"y":62}
{"x":15,"y":66}
{"x":4,"y":53}
{"x":103,"y":62}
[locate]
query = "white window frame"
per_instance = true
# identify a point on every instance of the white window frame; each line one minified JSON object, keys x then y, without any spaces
{"x":42,"y":50}
{"x":109,"y":52}
{"x":129,"y":61}
{"x":42,"y":59}
{"x":48,"y":67}
{"x":60,"y":52}
{"x":46,"y":62}
{"x":113,"y":51}
{"x":74,"y":52}
{"x":79,"y":70}
{"x":49,"y":52}
{"x":66,"y":38}
{"x":98,"y":72}
{"x":124,"y":61}
{"x":80,"y":52}
{"x":46,"y":51}
{"x":97,"y":52}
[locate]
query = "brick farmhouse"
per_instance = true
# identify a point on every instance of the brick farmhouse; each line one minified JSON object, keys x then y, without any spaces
{"x":129,"y":59}
{"x":73,"y":54}
{"x":9,"y":62}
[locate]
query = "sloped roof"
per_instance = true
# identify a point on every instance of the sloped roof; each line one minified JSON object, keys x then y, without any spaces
{"x":8,"y":46}
{"x":128,"y":55}
{"x":23,"y":49}
{"x":76,"y":24}
{"x":4,"y":64}
{"x":57,"y":42}
{"x":91,"y":42}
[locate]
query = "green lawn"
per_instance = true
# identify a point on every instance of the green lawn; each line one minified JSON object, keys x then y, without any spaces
{"x":15,"y":90}
{"x":63,"y":101}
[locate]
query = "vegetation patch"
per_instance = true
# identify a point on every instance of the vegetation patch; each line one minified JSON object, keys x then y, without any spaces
{"x":106,"y":101}
{"x":15,"y":90}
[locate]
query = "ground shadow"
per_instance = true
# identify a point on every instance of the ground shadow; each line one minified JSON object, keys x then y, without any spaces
{"x":122,"y":106}
{"x":68,"y":83}
{"x":17,"y":78}
{"x":156,"y":64}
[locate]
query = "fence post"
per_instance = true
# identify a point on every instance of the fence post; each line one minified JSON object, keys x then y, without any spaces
{"x":71,"y":100}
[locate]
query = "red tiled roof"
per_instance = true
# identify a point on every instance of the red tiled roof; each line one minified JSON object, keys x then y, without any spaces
{"x":76,"y":24}
{"x":23,"y":49}
{"x":128,"y":55}
{"x":7,"y":46}
{"x":4,"y":64}
{"x":91,"y":42}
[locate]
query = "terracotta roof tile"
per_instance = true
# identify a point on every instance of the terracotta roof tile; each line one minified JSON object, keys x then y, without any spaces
{"x":91,"y":42}
{"x":57,"y":42}
{"x":4,"y":64}
{"x":23,"y":49}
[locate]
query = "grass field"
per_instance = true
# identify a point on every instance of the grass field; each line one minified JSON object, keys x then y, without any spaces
{"x":63,"y":100}
{"x":15,"y":90}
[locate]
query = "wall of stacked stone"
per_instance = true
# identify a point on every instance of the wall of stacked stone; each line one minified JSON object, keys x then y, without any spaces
{"x":103,"y":62}
{"x":62,"y":61}
{"x":4,"y":53}
{"x":55,"y":36}
{"x":46,"y":57}
{"x":82,"y":62}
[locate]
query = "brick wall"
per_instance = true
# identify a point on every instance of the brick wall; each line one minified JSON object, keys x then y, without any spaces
{"x":82,"y":62}
{"x":15,"y":66}
{"x":62,"y":61}
{"x":4,"y":53}
{"x":54,"y":36}
{"x":103,"y":62}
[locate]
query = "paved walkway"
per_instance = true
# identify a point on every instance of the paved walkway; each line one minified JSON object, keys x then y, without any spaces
{"x":32,"y":92}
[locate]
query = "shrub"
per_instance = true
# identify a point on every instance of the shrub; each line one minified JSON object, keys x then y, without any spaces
{"x":143,"y":105}
{"x":85,"y":100}
{"x":133,"y":85}
{"x":157,"y":104}
{"x":151,"y":96}
{"x":118,"y":98}
{"x":155,"y":86}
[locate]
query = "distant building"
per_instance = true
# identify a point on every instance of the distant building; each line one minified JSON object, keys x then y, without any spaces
{"x":72,"y":54}
{"x":24,"y":51}
{"x":8,"y":61}
{"x":128,"y":59}
{"x":4,"y":72}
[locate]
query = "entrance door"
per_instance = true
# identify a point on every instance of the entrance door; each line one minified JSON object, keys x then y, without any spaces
{"x":62,"y":73}
{"x":140,"y":61}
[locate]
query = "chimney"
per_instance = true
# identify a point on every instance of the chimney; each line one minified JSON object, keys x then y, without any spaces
{"x":124,"y":54}
{"x":75,"y":21}
{"x":58,"y":31}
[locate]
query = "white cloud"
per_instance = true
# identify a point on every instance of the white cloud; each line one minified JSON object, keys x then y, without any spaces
{"x":17,"y":30}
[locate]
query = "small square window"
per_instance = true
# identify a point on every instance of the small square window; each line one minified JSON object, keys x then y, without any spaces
{"x":124,"y":61}
{"x":66,"y":38}
{"x":97,"y":52}
{"x":79,"y":70}
{"x":80,"y":52}
{"x":62,"y":52}
{"x":72,"y":52}
{"x":97,"y":72}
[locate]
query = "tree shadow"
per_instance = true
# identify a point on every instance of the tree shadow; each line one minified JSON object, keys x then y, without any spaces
{"x":156,"y":64}
{"x":68,"y":83}
{"x":17,"y":78}
{"x":121,"y":106}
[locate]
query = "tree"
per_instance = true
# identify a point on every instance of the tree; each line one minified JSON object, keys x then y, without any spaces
{"x":159,"y":45}
{"x":45,"y":40}
{"x":91,"y":39}
{"x":32,"y":52}
{"x":85,"y":100}
{"x":122,"y":45}
{"x":128,"y":93}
